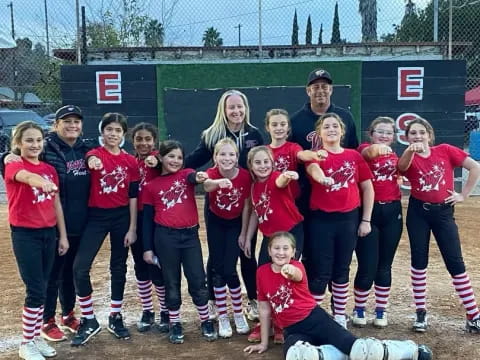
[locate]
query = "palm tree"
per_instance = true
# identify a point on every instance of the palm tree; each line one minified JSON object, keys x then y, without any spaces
{"x":368,"y":11}
{"x":154,"y":33}
{"x":211,"y":38}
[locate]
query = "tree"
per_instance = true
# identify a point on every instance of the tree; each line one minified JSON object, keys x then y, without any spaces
{"x":368,"y":11}
{"x":336,"y":39}
{"x":154,"y":34}
{"x":308,"y":32}
{"x":320,"y":35}
{"x":211,"y":38}
{"x":295,"y":30}
{"x":103,"y":34}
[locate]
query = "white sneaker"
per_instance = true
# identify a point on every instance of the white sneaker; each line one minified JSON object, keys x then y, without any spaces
{"x":224,"y":327}
{"x":29,"y":351}
{"x":212,"y":310}
{"x":341,"y":320}
{"x":241,"y":324}
{"x":358,"y":318}
{"x":303,"y":350}
{"x":45,"y":349}
{"x":381,"y":319}
{"x":252,"y":310}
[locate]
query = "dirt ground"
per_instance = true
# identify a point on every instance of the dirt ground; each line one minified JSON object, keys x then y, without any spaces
{"x":446,"y":335}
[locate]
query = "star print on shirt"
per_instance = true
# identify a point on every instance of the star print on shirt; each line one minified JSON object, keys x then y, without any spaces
{"x":432,"y":179}
{"x":40,"y":195}
{"x":342,"y":176}
{"x":282,"y":299}
{"x":111,"y":182}
{"x":174,"y":195}
{"x":228,"y":200}
{"x":262,"y":207}
{"x":384,"y":171}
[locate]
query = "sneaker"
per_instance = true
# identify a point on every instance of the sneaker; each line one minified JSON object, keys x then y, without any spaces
{"x":341,"y":320}
{"x":278,"y":335}
{"x":255,"y":335}
{"x":164,"y":322}
{"x":29,"y":351}
{"x":303,"y":350}
{"x":52,"y":332}
{"x":380,"y":320}
{"x":146,"y":321}
{"x":224,"y":327}
{"x":87,"y":329}
{"x":424,"y":352}
{"x":420,"y":324}
{"x":208,"y":330}
{"x":212,"y":310}
{"x":473,"y":325}
{"x":176,"y":333}
{"x":241,"y":324}
{"x":252,"y":310}
{"x":70,"y":323}
{"x":45,"y":349}
{"x":358,"y":318}
{"x":117,"y":328}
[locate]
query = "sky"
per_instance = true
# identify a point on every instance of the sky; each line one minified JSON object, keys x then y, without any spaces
{"x":190,"y":18}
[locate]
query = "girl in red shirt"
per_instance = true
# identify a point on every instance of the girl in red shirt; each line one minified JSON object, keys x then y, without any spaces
{"x":375,"y":252}
{"x":170,"y":218}
{"x":34,"y":209}
{"x":335,"y":202}
{"x":112,"y":210}
{"x":431,"y":209}
{"x":310,"y":333}
{"x":228,"y":188}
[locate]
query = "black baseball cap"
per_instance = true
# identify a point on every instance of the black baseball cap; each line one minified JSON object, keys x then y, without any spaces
{"x":68,"y":110}
{"x":319,"y":74}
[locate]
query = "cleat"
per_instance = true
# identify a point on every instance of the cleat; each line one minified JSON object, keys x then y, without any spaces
{"x":303,"y":350}
{"x":252,"y":310}
{"x":473,"y":326}
{"x":380,"y":320}
{"x":51,"y":332}
{"x":117,"y":328}
{"x":255,"y":335}
{"x":208,"y":330}
{"x":241,"y":324}
{"x":224,"y":327}
{"x":278,"y":335}
{"x":164,"y":323}
{"x":341,"y":320}
{"x":45,"y":349}
{"x":420,"y":324}
{"x":87,"y":329}
{"x":176,"y":333}
{"x":29,"y":351}
{"x":424,"y":353}
{"x":146,"y":321}
{"x":212,"y":310}
{"x":358,"y":318}
{"x":70,"y":323}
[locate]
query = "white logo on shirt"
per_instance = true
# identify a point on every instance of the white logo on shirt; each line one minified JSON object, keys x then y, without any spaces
{"x":174,"y":195}
{"x":342,"y":176}
{"x":282,"y":299}
{"x":262,"y":208}
{"x":143,"y":178}
{"x":282,"y":163}
{"x":41,"y":196}
{"x":384,"y":171}
{"x":431,"y":180}
{"x":225,"y":201}
{"x":312,"y":137}
{"x":111,"y":182}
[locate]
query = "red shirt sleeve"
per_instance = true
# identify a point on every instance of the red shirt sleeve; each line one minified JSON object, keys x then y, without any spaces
{"x":364,"y":172}
{"x":11,"y":170}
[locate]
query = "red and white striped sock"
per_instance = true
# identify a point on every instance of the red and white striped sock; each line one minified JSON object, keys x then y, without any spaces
{"x":160,"y":290}
{"x":86,"y":306}
{"x":361,"y":297}
{"x":382,"y":294}
{"x":236,"y":296}
{"x":340,"y":297}
{"x":174,"y":316}
{"x":319,"y":298}
{"x":115,"y":306}
{"x":202,"y":312}
{"x":464,"y":290}
{"x":419,"y":286}
{"x":221,"y":300}
{"x":29,"y":323}
{"x":39,"y":324}
{"x":144,"y":290}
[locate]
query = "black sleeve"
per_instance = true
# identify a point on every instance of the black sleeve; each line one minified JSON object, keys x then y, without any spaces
{"x":260,"y":139}
{"x":148,"y":227}
{"x":2,"y":164}
{"x":351,"y":140}
{"x":191,"y":178}
{"x":199,"y":157}
{"x":133,"y":189}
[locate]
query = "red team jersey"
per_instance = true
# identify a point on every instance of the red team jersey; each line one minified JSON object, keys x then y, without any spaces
{"x":229,"y":203}
{"x":285,"y":158}
{"x":147,"y":174}
{"x":29,"y":206}
{"x":110,"y":185}
{"x":385,"y":175}
{"x":289,"y":301}
{"x":432,"y":176}
{"x":347,"y":169}
{"x":275,"y":207}
{"x":173,"y":198}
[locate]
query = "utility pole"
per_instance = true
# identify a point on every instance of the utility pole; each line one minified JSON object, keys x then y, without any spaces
{"x":11,"y":19}
{"x":14,"y":60}
{"x":239,"y":27}
{"x":435,"y":20}
{"x":260,"y":30}
{"x":79,"y":39}
{"x":46,"y":27}
{"x":450,"y":29}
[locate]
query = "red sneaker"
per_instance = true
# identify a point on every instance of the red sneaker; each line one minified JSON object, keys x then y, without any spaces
{"x":277,"y":335}
{"x":255,"y":335}
{"x":70,"y":323}
{"x":51,"y":332}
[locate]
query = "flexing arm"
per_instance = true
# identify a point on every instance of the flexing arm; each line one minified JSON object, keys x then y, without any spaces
{"x":407,"y":157}
{"x":374,"y":150}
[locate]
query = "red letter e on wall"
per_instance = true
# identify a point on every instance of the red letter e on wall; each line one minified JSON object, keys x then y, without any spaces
{"x":109,"y":87}
{"x":410,"y":83}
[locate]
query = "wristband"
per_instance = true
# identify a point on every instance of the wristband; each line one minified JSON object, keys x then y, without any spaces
{"x":363,"y":220}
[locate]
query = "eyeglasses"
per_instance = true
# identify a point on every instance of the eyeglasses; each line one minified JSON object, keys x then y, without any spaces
{"x":383,"y":132}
